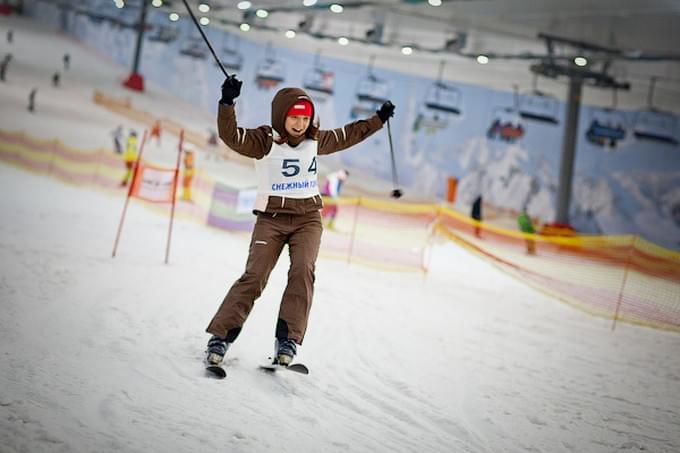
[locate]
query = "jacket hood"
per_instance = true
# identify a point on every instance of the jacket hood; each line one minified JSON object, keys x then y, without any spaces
{"x":284,"y":100}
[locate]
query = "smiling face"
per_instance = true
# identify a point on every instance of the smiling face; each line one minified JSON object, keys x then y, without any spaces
{"x":296,"y":125}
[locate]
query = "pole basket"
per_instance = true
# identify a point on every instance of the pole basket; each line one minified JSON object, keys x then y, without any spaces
{"x":135,"y":82}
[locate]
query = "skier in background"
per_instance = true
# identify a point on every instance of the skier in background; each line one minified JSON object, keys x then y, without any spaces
{"x":332,"y":188}
{"x":10,"y":36}
{"x":3,"y":69}
{"x":117,"y":135}
{"x":212,"y":144}
{"x":287,"y":207}
{"x":156,"y":132}
{"x":526,"y":226}
{"x":55,"y":79}
{"x":188,"y":174}
{"x":67,"y":61}
{"x":129,"y":157}
{"x":31,"y":100}
{"x":476,"y":214}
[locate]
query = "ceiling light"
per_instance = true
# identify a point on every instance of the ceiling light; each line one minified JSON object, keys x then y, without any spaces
{"x":262,"y":13}
{"x":204,"y":7}
{"x":119,"y":3}
{"x":204,"y":20}
{"x":157,"y":3}
{"x":407,"y":50}
{"x":482,"y":59}
{"x":174,"y":17}
{"x":580,"y":61}
{"x":244,"y":27}
{"x":290,"y":34}
{"x":308,"y":2}
{"x":343,"y":41}
{"x":435,"y":2}
{"x":244,"y":4}
{"x":336,"y":8}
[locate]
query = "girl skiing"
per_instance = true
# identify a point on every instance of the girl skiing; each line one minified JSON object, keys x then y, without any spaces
{"x":287,"y":207}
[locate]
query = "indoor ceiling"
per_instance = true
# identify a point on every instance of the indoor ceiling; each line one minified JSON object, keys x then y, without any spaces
{"x":632,"y":40}
{"x":644,"y":25}
{"x":635,"y":39}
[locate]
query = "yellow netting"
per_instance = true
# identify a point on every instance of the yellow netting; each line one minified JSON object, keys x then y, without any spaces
{"x":622,"y":278}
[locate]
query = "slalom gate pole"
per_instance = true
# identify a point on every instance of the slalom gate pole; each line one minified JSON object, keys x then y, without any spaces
{"x":350,"y":249}
{"x":174,"y":194}
{"x":129,"y":194}
{"x":205,"y":38}
{"x":396,"y":193}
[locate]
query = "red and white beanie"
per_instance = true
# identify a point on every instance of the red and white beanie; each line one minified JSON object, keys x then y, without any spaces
{"x":301,"y":108}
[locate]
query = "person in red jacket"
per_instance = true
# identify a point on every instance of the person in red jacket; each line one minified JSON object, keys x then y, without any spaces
{"x":156,"y":132}
{"x":287,"y":207}
{"x":331,"y":189}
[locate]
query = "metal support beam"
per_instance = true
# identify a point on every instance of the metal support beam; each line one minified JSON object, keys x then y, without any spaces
{"x":135,"y":81}
{"x":568,"y":149}
{"x":140,"y":34}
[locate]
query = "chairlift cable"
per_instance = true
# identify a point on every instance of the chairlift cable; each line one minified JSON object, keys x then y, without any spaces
{"x":440,"y":74}
{"x":650,"y":93}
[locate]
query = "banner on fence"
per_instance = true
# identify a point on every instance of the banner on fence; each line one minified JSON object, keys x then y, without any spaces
{"x":154,"y":184}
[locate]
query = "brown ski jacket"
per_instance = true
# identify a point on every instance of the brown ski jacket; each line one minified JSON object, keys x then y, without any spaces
{"x":256,"y":143}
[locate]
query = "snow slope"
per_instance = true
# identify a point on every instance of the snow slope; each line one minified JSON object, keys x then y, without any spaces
{"x":101,"y":354}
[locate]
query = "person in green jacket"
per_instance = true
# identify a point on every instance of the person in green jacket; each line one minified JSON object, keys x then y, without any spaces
{"x":526,"y":226}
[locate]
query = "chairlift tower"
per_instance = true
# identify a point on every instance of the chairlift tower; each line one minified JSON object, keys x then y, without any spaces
{"x":136,"y":81}
{"x":554,"y":67}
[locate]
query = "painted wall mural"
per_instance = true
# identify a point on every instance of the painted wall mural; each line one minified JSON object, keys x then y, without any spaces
{"x":504,"y":145}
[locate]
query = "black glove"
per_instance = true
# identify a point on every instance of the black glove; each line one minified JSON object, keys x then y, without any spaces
{"x":231,"y":88}
{"x":385,"y":111}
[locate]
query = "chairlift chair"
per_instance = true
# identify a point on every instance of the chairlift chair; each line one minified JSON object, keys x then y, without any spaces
{"x":654,"y":124}
{"x":506,"y":124}
{"x":319,"y":80}
{"x":232,"y":60}
{"x":164,"y":34}
{"x":269,"y":74}
{"x":195,"y":48}
{"x":607,"y":127}
{"x":371,"y":93}
{"x":540,"y":107}
{"x":442,"y":103}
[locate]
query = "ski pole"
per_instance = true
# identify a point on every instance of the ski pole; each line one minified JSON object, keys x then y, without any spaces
{"x":396,"y":193}
{"x":205,"y":38}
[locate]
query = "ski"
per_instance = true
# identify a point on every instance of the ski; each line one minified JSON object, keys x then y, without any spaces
{"x":295,"y":367}
{"x":215,"y":371}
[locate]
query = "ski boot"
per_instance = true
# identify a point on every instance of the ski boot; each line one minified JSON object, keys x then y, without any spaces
{"x":217,"y":348}
{"x":285,"y":351}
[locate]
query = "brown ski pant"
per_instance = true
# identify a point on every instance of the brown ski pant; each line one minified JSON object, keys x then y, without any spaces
{"x":302,"y":233}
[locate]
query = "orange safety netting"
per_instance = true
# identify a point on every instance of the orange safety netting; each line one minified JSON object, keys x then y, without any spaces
{"x":622,"y":278}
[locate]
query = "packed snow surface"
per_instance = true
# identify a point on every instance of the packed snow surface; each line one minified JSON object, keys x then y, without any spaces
{"x":102,"y":354}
